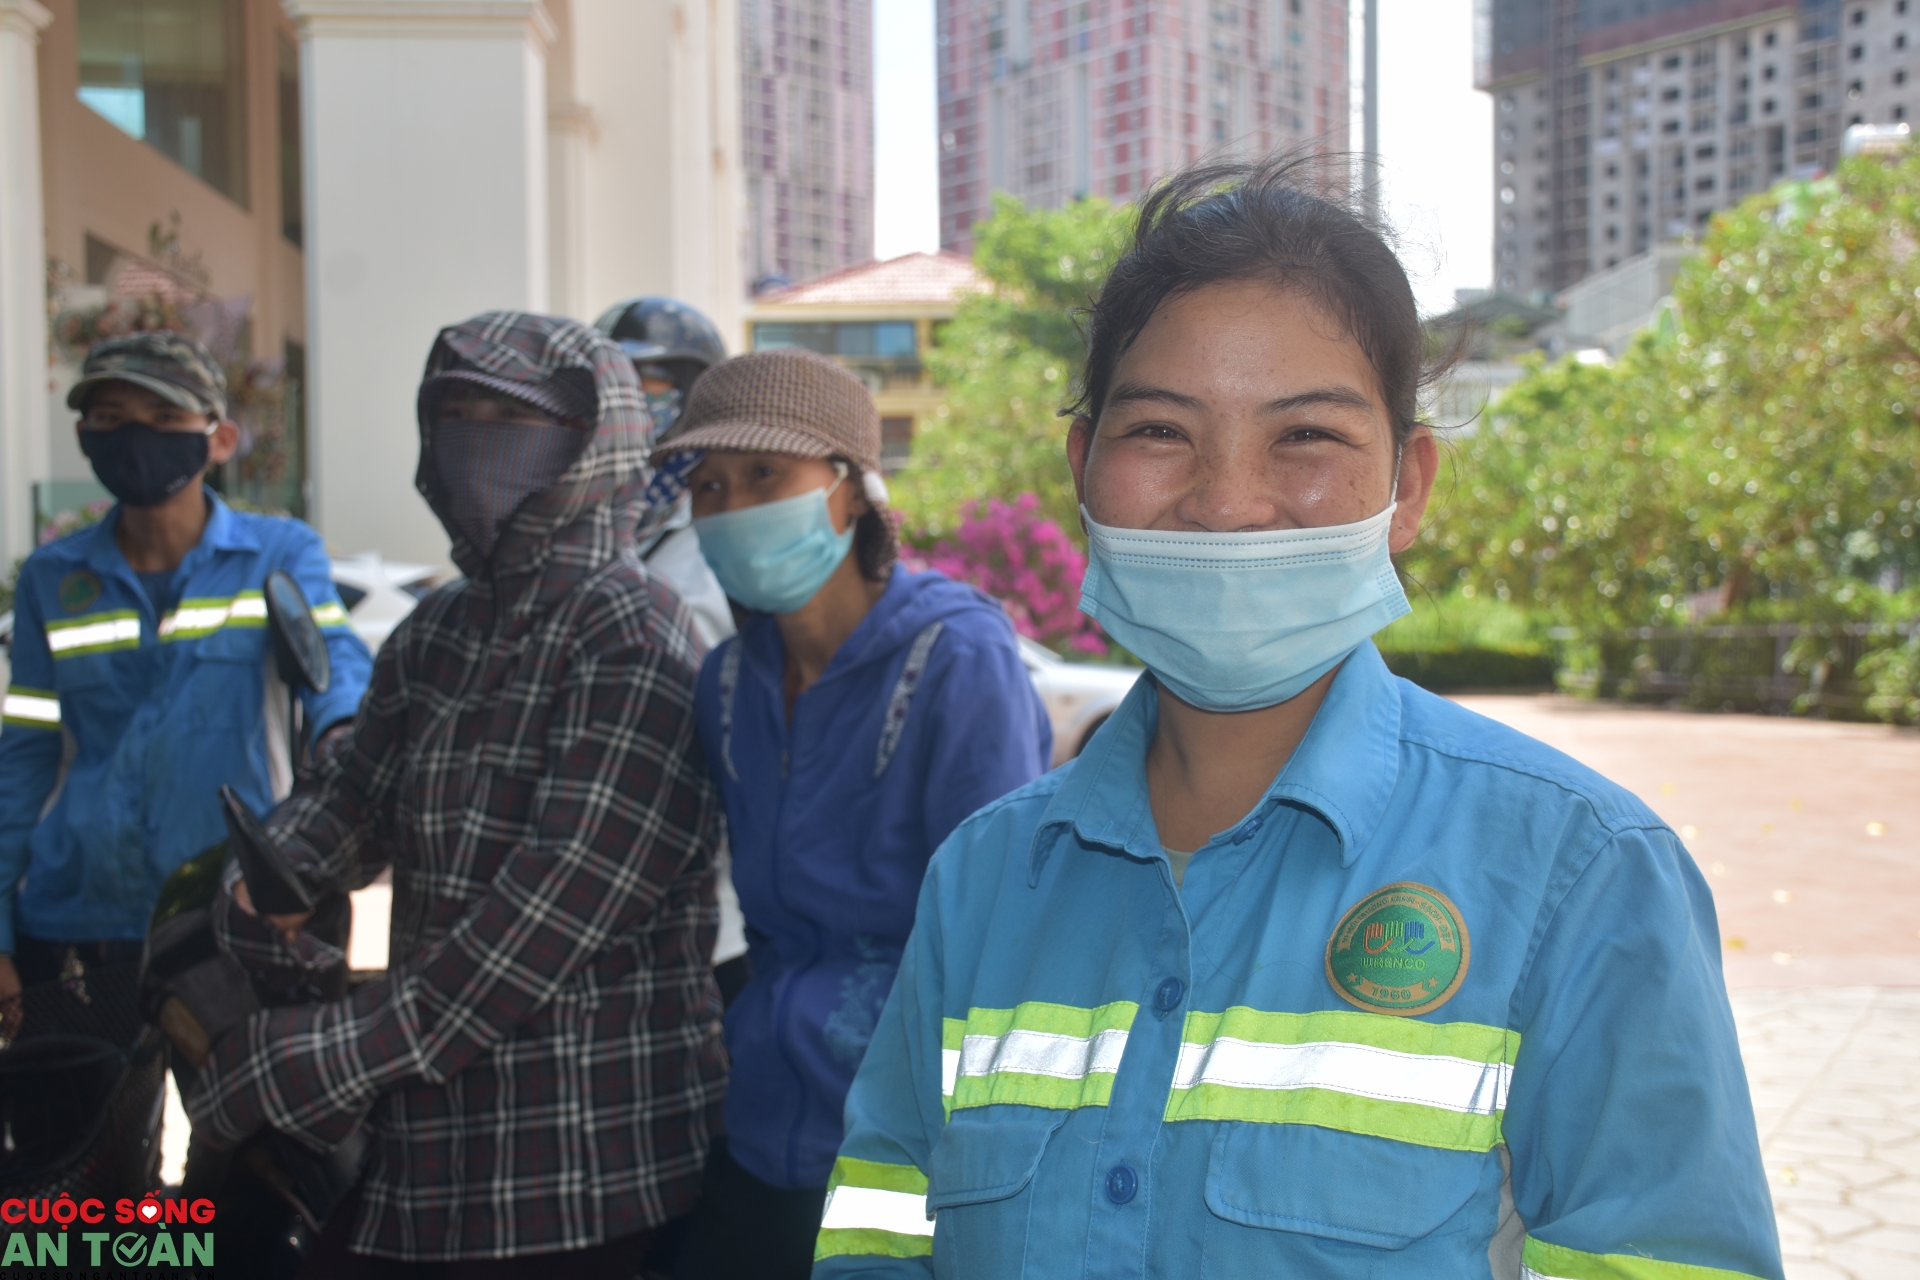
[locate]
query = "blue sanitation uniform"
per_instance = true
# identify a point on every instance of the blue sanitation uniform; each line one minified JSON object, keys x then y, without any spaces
{"x":161,"y":709}
{"x":924,"y":714}
{"x":1444,"y":1004}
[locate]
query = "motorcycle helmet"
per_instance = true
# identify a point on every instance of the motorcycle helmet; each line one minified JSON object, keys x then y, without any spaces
{"x":667,"y":333}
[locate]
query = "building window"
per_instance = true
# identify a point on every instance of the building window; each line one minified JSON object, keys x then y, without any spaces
{"x":896,"y":443}
{"x":171,"y":73}
{"x":1899,"y":113}
{"x":882,"y":340}
{"x":1900,"y":77}
{"x":1859,"y":16}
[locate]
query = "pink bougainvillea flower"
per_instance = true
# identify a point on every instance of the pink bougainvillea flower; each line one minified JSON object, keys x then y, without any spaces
{"x":1029,"y":564}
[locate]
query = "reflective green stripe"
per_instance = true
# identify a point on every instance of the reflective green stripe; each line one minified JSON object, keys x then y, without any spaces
{"x":874,"y":1209}
{"x":30,"y":708}
{"x":200,"y":617}
{"x":839,"y":1242}
{"x":1035,"y":1055}
{"x":94,"y":633}
{"x":848,"y":1171}
{"x":1432,"y":1084}
{"x":330,"y":615}
{"x":1473,"y":1041}
{"x":1543,"y":1261}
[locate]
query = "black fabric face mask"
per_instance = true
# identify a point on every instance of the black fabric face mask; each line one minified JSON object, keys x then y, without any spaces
{"x":487,"y":469}
{"x":142,"y":465}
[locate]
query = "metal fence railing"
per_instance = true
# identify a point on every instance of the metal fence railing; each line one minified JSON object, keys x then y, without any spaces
{"x":1777,"y":668}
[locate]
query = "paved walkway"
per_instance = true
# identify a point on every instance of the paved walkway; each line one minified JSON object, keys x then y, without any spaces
{"x":1836,"y":1088}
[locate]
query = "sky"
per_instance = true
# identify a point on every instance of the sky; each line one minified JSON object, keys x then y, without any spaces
{"x":1436,"y":140}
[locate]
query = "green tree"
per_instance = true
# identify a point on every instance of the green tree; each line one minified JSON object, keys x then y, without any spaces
{"x":1008,"y":360}
{"x":1758,"y":455}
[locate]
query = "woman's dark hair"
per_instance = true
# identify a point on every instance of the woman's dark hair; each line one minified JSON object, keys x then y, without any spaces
{"x":1275,"y":219}
{"x":876,"y":543}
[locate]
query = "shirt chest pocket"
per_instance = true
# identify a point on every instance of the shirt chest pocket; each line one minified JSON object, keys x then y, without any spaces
{"x":1283,"y":1198}
{"x":980,"y":1189}
{"x":229,"y":678}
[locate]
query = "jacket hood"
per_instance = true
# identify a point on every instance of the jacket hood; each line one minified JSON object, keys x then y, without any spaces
{"x":911,"y":603}
{"x":597,"y":507}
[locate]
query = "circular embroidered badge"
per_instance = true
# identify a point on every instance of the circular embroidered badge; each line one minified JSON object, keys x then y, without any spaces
{"x":78,"y":590}
{"x":1402,"y":949}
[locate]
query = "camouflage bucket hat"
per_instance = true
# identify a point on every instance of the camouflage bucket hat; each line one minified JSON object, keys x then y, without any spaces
{"x":170,"y":365}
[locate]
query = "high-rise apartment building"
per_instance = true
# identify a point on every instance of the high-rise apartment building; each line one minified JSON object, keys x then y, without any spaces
{"x":806,"y":71}
{"x":1621,"y":123}
{"x":1054,"y":99}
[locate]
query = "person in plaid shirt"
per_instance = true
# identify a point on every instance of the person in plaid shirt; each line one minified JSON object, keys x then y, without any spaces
{"x":541,"y":1067}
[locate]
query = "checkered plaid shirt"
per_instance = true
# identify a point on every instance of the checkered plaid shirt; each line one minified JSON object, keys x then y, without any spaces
{"x":542,"y":1065}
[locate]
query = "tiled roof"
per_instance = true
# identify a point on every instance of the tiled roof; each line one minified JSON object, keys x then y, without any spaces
{"x":913,"y":277}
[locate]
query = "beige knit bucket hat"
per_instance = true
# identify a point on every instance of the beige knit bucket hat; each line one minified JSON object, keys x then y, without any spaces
{"x":780,"y":401}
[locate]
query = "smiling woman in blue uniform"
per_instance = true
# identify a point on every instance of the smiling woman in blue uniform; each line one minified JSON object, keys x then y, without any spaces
{"x":1297,"y":970}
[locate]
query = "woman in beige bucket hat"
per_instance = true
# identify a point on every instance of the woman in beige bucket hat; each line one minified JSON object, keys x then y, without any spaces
{"x":862,"y":712}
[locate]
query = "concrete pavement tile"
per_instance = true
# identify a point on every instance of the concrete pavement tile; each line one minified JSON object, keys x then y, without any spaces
{"x":1859,"y":1174}
{"x":1835,"y":1221}
{"x":1864,"y":1263}
{"x":1796,"y":1236}
{"x":1806,"y":1140}
{"x":1897,"y":1205}
{"x":1829,"y":1102}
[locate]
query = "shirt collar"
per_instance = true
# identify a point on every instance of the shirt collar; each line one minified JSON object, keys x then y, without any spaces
{"x":224,"y":532}
{"x":1344,"y":769}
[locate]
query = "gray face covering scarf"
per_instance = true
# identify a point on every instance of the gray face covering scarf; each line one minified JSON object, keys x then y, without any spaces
{"x":487,"y":469}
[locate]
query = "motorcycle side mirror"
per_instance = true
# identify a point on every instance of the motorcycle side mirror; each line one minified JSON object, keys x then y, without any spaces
{"x":272,"y":883}
{"x":299,"y":650}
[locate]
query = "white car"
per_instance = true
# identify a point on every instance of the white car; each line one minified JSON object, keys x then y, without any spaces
{"x":379,"y":593}
{"x":1079,"y":695}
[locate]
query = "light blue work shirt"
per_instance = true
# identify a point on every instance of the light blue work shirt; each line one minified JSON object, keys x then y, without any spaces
{"x":1084,"y":1071}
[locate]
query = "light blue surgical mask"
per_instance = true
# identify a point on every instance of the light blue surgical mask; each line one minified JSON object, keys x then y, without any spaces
{"x":773,"y":558}
{"x":1237,"y":621}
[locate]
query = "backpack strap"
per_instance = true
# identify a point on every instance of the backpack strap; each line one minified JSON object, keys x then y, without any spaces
{"x":729,"y":682}
{"x":896,"y":721}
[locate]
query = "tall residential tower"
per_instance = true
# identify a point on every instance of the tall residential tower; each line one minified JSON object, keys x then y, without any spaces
{"x":1622,"y":123}
{"x":807,"y":113}
{"x":1054,"y":99}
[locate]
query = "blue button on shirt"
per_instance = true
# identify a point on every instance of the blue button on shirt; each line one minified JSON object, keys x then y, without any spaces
{"x":1084,"y":1070}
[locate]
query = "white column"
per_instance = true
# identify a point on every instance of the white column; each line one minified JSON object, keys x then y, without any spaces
{"x":23,"y":278}
{"x":660,"y":194}
{"x":425,"y":134}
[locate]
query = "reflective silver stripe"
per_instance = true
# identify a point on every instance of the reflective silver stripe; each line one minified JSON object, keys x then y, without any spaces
{"x":1451,"y":1084}
{"x":1042,"y":1053}
{"x":851,"y":1208}
{"x":94,"y":634}
{"x":196,"y":618}
{"x":33,"y":708}
{"x":329,"y":615}
{"x":949,"y":1071}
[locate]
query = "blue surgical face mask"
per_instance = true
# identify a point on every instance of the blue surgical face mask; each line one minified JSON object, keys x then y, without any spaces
{"x":1236,"y":621}
{"x":773,"y":558}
